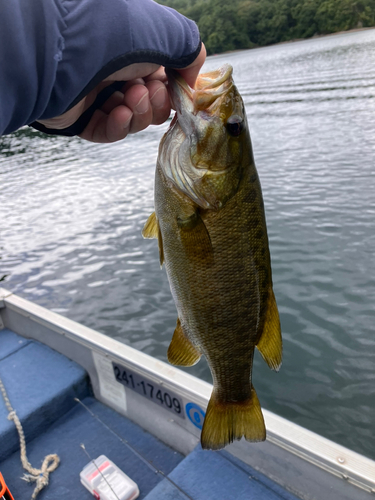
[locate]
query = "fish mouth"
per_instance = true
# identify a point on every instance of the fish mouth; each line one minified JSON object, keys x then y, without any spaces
{"x":209,"y":89}
{"x":180,"y":93}
{"x":212,"y":86}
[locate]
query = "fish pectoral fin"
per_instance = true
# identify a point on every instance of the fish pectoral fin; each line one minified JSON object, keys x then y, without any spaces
{"x":189,"y":222}
{"x":270,"y":343}
{"x":226,"y":421}
{"x":181,"y":351}
{"x":195,"y":237}
{"x":152,"y":230}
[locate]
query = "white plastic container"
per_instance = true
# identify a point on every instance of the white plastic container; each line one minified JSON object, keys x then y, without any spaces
{"x":107,"y":482}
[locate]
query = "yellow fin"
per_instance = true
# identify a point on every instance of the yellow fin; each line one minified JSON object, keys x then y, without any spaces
{"x":152,"y":230}
{"x":181,"y":351}
{"x":195,"y":238}
{"x":226,"y":421}
{"x":270,"y":343}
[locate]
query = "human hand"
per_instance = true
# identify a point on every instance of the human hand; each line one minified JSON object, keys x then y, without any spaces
{"x":142,"y":101}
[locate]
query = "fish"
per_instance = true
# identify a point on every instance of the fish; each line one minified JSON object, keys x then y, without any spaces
{"x":210,"y":224}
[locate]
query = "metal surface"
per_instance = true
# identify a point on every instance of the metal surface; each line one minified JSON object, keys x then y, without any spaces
{"x":303,"y":462}
{"x":3,"y":295}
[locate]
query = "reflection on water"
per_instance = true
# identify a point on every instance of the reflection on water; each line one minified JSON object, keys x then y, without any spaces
{"x":72,"y":215}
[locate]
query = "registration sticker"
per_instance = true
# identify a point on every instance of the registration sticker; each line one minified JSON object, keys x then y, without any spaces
{"x":195,"y":414}
{"x":149,"y":389}
{"x":109,"y":388}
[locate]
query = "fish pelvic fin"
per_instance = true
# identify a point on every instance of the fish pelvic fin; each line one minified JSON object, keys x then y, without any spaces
{"x":152,"y":230}
{"x":226,"y":421}
{"x":270,"y":343}
{"x":181,"y":351}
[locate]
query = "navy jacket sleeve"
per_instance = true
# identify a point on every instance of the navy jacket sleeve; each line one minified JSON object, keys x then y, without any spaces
{"x":53,"y":52}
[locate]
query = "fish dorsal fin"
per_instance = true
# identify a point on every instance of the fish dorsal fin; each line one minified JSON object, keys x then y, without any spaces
{"x":181,"y":351}
{"x":270,"y":342}
{"x":195,"y":238}
{"x":152,"y":230}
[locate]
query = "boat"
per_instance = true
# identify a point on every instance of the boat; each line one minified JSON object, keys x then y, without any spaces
{"x":80,"y":394}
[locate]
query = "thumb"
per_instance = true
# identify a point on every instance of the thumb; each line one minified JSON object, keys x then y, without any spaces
{"x":191,"y":72}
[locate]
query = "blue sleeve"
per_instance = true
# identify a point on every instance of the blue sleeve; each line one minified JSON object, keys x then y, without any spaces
{"x":53,"y":52}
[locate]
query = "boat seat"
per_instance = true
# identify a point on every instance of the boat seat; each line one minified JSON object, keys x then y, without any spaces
{"x":41,"y":386}
{"x":217,"y":475}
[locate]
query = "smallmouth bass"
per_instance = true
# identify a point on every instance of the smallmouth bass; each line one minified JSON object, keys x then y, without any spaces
{"x":211,"y":229}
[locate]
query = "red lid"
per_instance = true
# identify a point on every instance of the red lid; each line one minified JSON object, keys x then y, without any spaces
{"x":4,"y":490}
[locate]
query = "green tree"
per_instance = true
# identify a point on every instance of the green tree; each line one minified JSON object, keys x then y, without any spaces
{"x":240,"y":24}
{"x":304,"y":15}
{"x":221,"y":27}
{"x":335,"y":15}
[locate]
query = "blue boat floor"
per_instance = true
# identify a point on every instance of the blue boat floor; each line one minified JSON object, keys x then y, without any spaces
{"x":42,"y":386}
{"x":65,"y":436}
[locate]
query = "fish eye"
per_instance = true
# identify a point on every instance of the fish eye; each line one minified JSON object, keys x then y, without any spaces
{"x":235,"y":125}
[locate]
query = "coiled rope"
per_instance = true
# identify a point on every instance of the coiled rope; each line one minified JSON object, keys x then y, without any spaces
{"x":50,"y":463}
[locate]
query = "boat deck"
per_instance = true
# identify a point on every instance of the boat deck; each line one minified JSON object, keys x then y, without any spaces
{"x":43,"y":387}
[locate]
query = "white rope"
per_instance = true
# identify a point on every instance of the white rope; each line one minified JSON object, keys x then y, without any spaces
{"x":50,"y":463}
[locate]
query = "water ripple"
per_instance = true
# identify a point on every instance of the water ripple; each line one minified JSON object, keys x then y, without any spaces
{"x":70,"y":236}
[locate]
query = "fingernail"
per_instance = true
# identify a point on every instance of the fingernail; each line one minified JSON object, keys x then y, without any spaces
{"x":142,"y":106}
{"x":127,"y":123}
{"x":158,"y":99}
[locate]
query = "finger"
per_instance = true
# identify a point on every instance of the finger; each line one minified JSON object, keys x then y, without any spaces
{"x":131,"y":83}
{"x":118,"y":123}
{"x":116,"y":99}
{"x":137,"y":99}
{"x":159,"y":101}
{"x":159,"y":74}
{"x":191,"y":72}
{"x":108,"y":128}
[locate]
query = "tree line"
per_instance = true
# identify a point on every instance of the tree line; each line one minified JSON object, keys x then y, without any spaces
{"x":242,"y":24}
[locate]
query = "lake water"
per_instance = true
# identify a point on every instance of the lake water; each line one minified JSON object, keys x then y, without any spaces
{"x":72,"y":215}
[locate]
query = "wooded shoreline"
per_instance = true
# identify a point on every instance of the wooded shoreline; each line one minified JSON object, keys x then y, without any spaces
{"x":354,"y":30}
{"x":244,"y":24}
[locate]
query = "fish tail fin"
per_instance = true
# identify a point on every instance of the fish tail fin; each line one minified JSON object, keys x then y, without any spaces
{"x":226,"y":421}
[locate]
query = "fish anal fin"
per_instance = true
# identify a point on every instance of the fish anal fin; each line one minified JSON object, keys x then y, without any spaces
{"x":270,"y":343}
{"x":181,"y":351}
{"x":152,"y":230}
{"x":227,"y":421}
{"x":195,"y":238}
